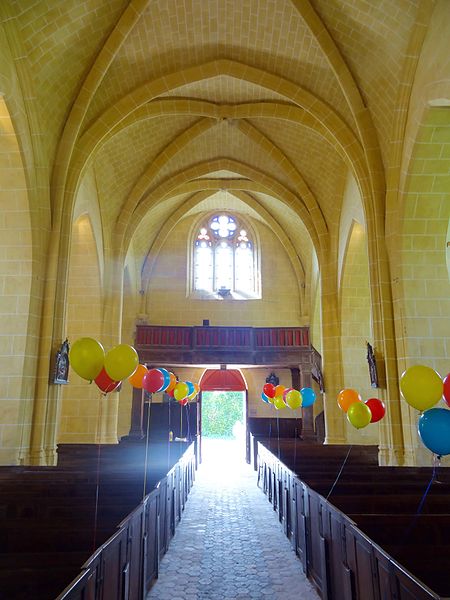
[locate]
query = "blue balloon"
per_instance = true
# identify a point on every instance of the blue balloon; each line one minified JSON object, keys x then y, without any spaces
{"x":191,"y":387}
{"x":308,"y":397}
{"x":265,"y":398}
{"x":166,"y":376}
{"x":434,"y":430}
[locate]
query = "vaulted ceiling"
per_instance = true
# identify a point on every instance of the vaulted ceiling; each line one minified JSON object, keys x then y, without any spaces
{"x":180,"y":106}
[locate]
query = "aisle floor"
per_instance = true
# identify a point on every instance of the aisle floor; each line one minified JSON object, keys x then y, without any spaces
{"x":229,"y":544}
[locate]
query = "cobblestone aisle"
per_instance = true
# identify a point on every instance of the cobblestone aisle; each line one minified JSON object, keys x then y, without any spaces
{"x":229,"y":544}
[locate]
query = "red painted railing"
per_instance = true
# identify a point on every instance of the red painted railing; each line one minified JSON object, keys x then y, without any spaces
{"x":245,"y":338}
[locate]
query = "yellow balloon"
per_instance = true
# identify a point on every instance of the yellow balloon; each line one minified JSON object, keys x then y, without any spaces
{"x":180,"y":391}
{"x":294,"y":399}
{"x":359,"y":415}
{"x":121,"y":362}
{"x":278,"y":402}
{"x":86,"y":357}
{"x":421,"y":387}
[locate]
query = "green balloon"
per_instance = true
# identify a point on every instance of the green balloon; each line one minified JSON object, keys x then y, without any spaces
{"x":359,"y":415}
{"x":294,"y":399}
{"x":278,"y":402}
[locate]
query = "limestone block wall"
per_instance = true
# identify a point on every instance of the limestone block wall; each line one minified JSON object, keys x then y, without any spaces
{"x":81,"y":401}
{"x":17,"y":369}
{"x":356,"y":328}
{"x":130,"y":308}
{"x":279,"y":305}
{"x":424,"y":323}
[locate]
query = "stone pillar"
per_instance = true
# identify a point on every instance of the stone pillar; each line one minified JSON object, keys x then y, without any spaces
{"x":308,"y":432}
{"x":137,"y":416}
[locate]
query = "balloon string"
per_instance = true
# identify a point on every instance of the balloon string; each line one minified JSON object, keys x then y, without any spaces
{"x":413,"y":523}
{"x":339,"y":474}
{"x":278,"y":435}
{"x":188,"y":425}
{"x":295,"y":440}
{"x":430,"y":483}
{"x":181,"y":421}
{"x":146,"y":446}
{"x":97,"y":486}
{"x":170,"y":437}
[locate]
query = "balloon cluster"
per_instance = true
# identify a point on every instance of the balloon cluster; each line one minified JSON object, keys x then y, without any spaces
{"x":283,"y":397}
{"x":89,"y":360}
{"x":360,"y":413}
{"x":162,"y":380}
{"x":422,"y":388}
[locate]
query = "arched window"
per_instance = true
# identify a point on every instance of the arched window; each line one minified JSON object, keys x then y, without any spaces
{"x":224,"y":258}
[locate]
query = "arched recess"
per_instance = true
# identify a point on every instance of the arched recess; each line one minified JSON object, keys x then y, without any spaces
{"x":423,"y":306}
{"x":17,"y":311}
{"x":227,"y":380}
{"x":79,"y":420}
{"x":167,"y":303}
{"x":356,"y":327}
{"x":249,"y":201}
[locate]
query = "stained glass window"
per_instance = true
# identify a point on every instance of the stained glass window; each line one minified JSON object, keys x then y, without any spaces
{"x":224,"y":260}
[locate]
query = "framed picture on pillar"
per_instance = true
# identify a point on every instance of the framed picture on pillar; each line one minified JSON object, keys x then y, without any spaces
{"x":373,"y":372}
{"x":61,"y":371}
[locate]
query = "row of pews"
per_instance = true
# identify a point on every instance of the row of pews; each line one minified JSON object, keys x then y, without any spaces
{"x":95,"y":526}
{"x":362,"y":532}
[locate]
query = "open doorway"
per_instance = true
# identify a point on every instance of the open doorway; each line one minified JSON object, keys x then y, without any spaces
{"x":223,"y":415}
{"x":223,"y":412}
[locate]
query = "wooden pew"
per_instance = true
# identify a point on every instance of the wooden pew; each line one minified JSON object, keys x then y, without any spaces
{"x":337,"y":550}
{"x":46,"y":526}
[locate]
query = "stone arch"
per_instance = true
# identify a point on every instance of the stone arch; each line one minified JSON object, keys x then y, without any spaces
{"x":180,"y":183}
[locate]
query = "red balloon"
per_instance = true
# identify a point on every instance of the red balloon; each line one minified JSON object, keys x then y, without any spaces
{"x":447,"y":389}
{"x":377,"y":408}
{"x":269,"y":390}
{"x":183,"y":401}
{"x":170,"y":393}
{"x":105,"y":383}
{"x":153,"y":381}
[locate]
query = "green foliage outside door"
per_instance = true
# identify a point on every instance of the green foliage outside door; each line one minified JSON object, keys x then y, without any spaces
{"x":220,"y":412}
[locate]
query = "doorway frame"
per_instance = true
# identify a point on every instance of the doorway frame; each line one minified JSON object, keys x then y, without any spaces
{"x":233,"y":386}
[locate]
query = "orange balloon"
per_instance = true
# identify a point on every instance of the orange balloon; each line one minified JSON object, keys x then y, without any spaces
{"x":136,"y":378}
{"x":173,"y":382}
{"x":279,"y":389}
{"x":347,"y":397}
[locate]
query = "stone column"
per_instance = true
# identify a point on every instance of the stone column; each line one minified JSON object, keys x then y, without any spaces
{"x":137,"y":416}
{"x":308,"y":432}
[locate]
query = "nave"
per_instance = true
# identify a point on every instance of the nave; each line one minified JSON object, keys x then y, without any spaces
{"x":229,"y":543}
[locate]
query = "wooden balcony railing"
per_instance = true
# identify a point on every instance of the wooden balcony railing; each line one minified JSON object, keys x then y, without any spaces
{"x":231,"y":345}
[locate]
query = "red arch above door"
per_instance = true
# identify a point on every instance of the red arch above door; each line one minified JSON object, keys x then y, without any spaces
{"x":226,"y":380}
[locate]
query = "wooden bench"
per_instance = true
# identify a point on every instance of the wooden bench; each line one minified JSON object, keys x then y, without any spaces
{"x":359,"y":555}
{"x":47,"y":524}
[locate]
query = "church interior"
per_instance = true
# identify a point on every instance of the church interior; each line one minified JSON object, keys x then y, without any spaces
{"x":237,"y":189}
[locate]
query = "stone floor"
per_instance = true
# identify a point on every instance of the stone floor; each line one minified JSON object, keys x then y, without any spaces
{"x":229,"y":544}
